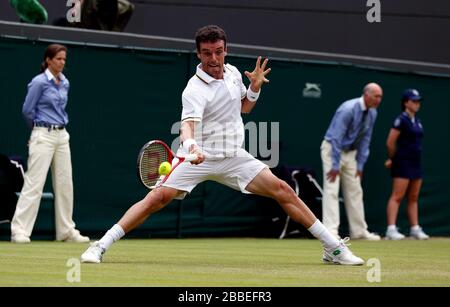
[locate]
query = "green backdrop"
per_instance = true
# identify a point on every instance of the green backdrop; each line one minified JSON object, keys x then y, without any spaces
{"x":121,"y":98}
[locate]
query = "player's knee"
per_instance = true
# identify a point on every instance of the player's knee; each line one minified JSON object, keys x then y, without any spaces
{"x":155,"y":200}
{"x":284,"y":192}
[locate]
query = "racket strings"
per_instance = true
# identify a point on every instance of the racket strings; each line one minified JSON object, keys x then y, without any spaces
{"x":152,"y":158}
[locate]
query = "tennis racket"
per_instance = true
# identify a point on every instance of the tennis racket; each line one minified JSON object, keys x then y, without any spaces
{"x":150,"y":158}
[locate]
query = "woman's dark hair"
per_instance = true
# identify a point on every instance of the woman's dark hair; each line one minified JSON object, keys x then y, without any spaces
{"x":402,"y":103}
{"x":211,"y":33}
{"x":51,"y":51}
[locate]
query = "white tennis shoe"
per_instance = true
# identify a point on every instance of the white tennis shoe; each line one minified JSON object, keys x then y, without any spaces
{"x":394,"y":234}
{"x":418,"y":234}
{"x":341,"y":255}
{"x":369,"y":236}
{"x":93,"y":254}
{"x":76,"y":237}
{"x":20,"y":238}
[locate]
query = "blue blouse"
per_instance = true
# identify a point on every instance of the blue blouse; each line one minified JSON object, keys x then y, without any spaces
{"x":46,"y":101}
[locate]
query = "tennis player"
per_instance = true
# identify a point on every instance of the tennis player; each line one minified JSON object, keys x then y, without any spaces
{"x":212,"y":128}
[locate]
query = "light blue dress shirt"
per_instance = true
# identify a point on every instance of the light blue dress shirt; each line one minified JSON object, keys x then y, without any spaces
{"x":46,"y":101}
{"x":348,"y":131}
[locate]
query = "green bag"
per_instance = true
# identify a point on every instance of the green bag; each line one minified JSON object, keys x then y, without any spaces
{"x":30,"y":11}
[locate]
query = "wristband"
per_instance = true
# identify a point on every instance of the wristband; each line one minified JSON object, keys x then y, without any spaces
{"x":251,"y":95}
{"x":188,"y":143}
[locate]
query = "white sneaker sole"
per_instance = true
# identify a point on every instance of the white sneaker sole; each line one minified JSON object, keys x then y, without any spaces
{"x":21,"y":242}
{"x":394,"y":239}
{"x":326,"y":261}
{"x":84,"y":260}
{"x":77,"y":241}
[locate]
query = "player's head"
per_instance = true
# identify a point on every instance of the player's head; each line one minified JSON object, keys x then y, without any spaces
{"x":211,"y":34}
{"x":54,"y":58}
{"x":411,"y":99}
{"x":372,"y":93}
{"x":211,"y":42}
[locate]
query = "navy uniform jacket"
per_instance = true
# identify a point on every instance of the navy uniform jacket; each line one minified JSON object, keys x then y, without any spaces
{"x":407,"y":159}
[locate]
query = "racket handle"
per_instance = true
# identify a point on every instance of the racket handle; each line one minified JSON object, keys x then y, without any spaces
{"x":190,"y":157}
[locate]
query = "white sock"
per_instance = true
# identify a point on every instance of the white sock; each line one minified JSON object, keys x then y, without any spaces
{"x":114,"y":234}
{"x":323,"y":234}
{"x":392,"y":228}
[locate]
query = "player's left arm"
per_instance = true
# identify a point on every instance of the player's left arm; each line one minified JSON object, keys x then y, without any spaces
{"x":257,"y":78}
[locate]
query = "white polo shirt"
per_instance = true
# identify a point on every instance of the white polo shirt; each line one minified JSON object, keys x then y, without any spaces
{"x":216,"y":106}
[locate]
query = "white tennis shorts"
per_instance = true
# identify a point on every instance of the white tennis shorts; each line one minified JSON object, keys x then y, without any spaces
{"x":235,"y":172}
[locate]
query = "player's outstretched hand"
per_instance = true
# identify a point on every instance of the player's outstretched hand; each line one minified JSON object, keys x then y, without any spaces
{"x":258,"y":76}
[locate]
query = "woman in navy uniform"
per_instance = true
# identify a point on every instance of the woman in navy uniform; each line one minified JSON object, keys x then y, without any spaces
{"x":404,"y":145}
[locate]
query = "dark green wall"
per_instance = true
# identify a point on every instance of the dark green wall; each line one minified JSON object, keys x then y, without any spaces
{"x":120,"y":99}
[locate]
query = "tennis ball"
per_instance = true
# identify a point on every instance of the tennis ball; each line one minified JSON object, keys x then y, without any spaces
{"x":164,"y":168}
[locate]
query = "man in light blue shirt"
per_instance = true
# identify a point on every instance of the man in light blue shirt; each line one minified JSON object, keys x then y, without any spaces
{"x":344,"y":152}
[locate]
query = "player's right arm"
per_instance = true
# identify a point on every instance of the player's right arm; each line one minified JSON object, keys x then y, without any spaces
{"x":194,"y":104}
{"x":188,"y":141}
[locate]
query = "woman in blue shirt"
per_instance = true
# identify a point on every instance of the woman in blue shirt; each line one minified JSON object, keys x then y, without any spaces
{"x":48,"y":147}
{"x":404,"y":145}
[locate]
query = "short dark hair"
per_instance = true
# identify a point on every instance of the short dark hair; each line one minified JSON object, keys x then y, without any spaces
{"x":210,"y":33}
{"x":51,"y":51}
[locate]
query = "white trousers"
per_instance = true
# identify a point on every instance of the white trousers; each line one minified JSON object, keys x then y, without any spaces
{"x":352,"y":192}
{"x":46,"y":149}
